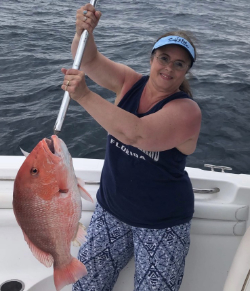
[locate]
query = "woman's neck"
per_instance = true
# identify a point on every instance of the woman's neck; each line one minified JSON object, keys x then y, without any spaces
{"x":150,"y":97}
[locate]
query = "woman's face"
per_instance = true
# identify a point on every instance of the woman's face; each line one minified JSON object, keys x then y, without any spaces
{"x":167,"y":77}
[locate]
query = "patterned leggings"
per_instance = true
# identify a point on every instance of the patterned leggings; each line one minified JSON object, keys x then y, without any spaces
{"x":159,"y":254}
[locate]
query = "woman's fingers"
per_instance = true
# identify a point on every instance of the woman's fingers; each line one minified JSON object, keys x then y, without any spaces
{"x":69,"y":85}
{"x":87,"y":18}
{"x":74,"y":83}
{"x":63,"y":70}
{"x":74,"y":72}
{"x":91,"y":18}
{"x":71,"y":75}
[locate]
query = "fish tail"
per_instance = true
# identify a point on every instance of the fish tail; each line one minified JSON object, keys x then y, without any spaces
{"x":69,"y":274}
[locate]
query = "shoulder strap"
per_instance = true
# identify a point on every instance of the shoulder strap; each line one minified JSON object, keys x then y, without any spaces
{"x":135,"y":89}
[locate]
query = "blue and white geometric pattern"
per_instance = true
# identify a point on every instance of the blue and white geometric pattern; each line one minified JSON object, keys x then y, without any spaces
{"x":160,"y":257}
{"x":159,"y":254}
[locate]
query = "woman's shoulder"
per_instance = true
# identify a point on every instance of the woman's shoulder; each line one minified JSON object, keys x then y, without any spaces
{"x":187,"y":118}
{"x":187,"y":110}
{"x":184,"y":101}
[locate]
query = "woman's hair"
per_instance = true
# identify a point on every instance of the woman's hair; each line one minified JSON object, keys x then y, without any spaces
{"x":185,"y":87}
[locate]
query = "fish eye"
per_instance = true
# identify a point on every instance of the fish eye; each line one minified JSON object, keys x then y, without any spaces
{"x":34,"y":171}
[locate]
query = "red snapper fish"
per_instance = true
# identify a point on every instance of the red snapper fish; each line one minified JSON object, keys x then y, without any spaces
{"x":47,"y":206}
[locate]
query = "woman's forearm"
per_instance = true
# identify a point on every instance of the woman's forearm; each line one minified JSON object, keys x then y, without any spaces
{"x":74,"y":45}
{"x":121,"y":124}
{"x":90,"y":51}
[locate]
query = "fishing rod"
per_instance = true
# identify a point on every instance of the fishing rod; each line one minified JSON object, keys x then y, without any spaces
{"x":76,"y":65}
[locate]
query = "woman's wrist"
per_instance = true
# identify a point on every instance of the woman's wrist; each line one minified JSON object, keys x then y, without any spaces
{"x":77,"y":37}
{"x":84,"y":97}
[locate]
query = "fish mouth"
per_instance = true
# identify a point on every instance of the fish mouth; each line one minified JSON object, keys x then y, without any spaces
{"x":56,"y":148}
{"x":50,"y":144}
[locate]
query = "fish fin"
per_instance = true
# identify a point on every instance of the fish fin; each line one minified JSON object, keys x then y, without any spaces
{"x":80,"y":235}
{"x":41,"y":256}
{"x":69,"y":274}
{"x":84,"y":193}
{"x":24,"y":152}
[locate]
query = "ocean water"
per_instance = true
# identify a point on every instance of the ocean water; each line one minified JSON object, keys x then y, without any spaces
{"x":35,"y":40}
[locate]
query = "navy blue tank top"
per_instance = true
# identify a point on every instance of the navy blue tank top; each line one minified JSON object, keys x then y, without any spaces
{"x":143,"y":188}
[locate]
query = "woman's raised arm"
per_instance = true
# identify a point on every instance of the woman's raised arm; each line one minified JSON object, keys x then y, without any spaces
{"x":103,"y":71}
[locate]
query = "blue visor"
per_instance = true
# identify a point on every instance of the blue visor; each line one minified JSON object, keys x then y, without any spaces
{"x":173,"y":39}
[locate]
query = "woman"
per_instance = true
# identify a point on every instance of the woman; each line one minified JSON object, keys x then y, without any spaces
{"x":145,"y":201}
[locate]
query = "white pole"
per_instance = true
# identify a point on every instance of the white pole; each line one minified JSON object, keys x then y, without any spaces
{"x":76,"y":65}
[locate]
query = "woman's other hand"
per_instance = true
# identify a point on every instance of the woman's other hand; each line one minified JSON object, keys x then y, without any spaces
{"x":74,"y":83}
{"x":87,"y":18}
